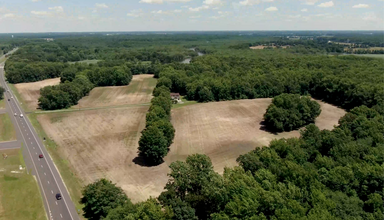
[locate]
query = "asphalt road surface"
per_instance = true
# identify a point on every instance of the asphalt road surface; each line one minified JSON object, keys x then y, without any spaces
{"x":48,"y":178}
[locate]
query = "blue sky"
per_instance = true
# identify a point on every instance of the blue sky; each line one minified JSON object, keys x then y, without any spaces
{"x":184,"y":15}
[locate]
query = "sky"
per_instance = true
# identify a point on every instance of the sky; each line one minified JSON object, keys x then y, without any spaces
{"x":189,"y":15}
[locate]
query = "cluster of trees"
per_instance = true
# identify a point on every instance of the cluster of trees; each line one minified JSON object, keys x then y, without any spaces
{"x":291,"y":111}
{"x":344,"y":81}
{"x":159,"y":132}
{"x":65,"y":94}
{"x":336,"y":175}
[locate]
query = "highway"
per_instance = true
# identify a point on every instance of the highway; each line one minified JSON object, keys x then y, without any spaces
{"x":48,"y":178}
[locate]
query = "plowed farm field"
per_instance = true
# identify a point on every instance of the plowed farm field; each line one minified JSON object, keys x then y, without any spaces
{"x":103,"y":143}
{"x":225,"y":130}
{"x":137,"y":92}
{"x":30,"y":92}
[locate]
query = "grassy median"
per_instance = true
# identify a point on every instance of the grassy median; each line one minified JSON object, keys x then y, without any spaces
{"x":19,"y":193}
{"x":7,"y":131}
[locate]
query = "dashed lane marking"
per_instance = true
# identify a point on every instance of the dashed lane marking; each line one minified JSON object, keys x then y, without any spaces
{"x":56,"y":203}
{"x":52,"y":191}
{"x":48,"y":182}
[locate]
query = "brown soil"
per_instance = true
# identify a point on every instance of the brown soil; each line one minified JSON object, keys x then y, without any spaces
{"x":30,"y":92}
{"x":137,"y":92}
{"x":225,"y":130}
{"x":103,"y":143}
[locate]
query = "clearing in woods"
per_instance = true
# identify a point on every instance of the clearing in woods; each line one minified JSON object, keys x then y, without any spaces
{"x":225,"y":130}
{"x":30,"y":92}
{"x":138,"y":91}
{"x":103,"y":143}
{"x":19,"y":194}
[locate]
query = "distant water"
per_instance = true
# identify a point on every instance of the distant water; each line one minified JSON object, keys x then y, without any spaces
{"x":188,"y":60}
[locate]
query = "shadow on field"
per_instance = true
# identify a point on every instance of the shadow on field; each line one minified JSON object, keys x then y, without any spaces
{"x":141,"y":162}
{"x":263,"y":127}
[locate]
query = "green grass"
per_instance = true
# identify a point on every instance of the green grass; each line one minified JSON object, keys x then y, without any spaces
{"x":85,"y":61}
{"x":72,"y":182}
{"x":16,"y":93}
{"x":20,"y":197}
{"x":7,"y":131}
{"x":2,"y":103}
{"x":186,"y":103}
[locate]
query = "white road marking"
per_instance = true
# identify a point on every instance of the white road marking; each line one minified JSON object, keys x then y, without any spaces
{"x":31,"y":143}
{"x":33,"y":147}
{"x":29,"y":138}
{"x":35,"y":153}
{"x":27,"y":133}
{"x":48,"y":182}
{"x":45,"y":174}
{"x":41,"y":166}
{"x":61,"y":216}
{"x":51,"y":191}
{"x":56,"y":203}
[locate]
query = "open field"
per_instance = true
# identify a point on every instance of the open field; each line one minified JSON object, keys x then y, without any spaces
{"x":30,"y":92}
{"x":7,"y":131}
{"x":138,"y":91}
{"x":261,"y":47}
{"x":225,"y":130}
{"x":103,"y":143}
{"x":369,"y":55}
{"x":19,"y":194}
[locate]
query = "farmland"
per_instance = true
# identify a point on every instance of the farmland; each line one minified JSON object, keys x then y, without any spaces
{"x":7,"y":131}
{"x":103,"y":143}
{"x":225,"y":130}
{"x":138,"y":91}
{"x":30,"y":92}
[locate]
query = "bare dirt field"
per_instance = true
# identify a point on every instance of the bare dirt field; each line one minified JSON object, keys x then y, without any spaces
{"x":225,"y":130}
{"x":103,"y":143}
{"x":30,"y":92}
{"x":137,"y":92}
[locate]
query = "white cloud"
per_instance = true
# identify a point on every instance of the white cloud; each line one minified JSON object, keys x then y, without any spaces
{"x":294,"y":16}
{"x":40,"y":13}
{"x":177,"y":11}
{"x":204,"y":7}
{"x":371,"y":16}
{"x":101,"y":5}
{"x":162,"y":1}
{"x":3,"y":10}
{"x":194,"y":17}
{"x":253,"y":2}
{"x":81,"y":18}
{"x":361,"y":6}
{"x":212,"y":2}
{"x":310,"y":2}
{"x":271,"y":9}
{"x":135,"y":13}
{"x":326,"y":4}
{"x":9,"y":15}
{"x":35,"y":0}
{"x":304,"y":10}
{"x":57,"y":9}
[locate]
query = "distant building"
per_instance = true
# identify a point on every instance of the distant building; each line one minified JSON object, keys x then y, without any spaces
{"x":48,"y":39}
{"x":175,"y":96}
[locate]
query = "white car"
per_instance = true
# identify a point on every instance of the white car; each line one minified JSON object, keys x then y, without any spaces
{"x":11,"y":97}
{"x":21,"y":115}
{"x":15,"y":114}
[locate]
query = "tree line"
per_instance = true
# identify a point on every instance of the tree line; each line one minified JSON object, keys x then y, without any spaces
{"x":344,"y":81}
{"x":159,"y":132}
{"x":77,"y":81}
{"x":335,"y":175}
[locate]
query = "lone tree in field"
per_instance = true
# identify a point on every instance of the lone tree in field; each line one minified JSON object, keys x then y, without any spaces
{"x":291,"y":111}
{"x":2,"y":90}
{"x":100,"y":197}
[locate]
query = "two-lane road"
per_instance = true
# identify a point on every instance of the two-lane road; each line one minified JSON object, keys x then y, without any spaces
{"x":48,"y":178}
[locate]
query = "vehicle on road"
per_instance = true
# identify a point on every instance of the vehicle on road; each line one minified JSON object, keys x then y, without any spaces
{"x":21,"y":115}
{"x":15,"y":114}
{"x":41,"y":156}
{"x":58,"y":196}
{"x":11,"y":97}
